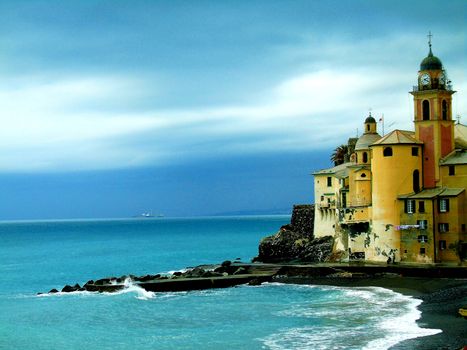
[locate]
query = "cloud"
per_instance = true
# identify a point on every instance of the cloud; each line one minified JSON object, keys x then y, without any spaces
{"x":68,"y":121}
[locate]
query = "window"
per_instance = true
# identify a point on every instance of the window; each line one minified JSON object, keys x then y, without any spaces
{"x":365,"y":157}
{"x":421,"y":206}
{"x":443,"y":227}
{"x":363,"y":175}
{"x":415,"y":151}
{"x":442,"y":245}
{"x":444,"y":110}
{"x":416,"y":181}
{"x":463,"y":227}
{"x":322,"y":198}
{"x":368,"y":127}
{"x":452,"y":170}
{"x":387,"y":152}
{"x":443,"y":205}
{"x":329,"y":181}
{"x":423,"y":224}
{"x":423,"y":238}
{"x":422,"y":251}
{"x":410,"y":206}
{"x":426,"y":110}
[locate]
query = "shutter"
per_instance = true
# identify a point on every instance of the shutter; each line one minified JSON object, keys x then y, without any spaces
{"x":447,"y":204}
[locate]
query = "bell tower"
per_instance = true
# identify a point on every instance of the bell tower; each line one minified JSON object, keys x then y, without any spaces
{"x":433,"y":115}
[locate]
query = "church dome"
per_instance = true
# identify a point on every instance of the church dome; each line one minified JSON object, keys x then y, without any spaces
{"x":370,"y":119}
{"x":366,"y":140}
{"x":431,"y":62}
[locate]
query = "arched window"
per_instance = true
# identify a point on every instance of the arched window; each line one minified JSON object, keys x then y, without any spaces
{"x":365,"y":157}
{"x":444,"y":110}
{"x":387,"y":152}
{"x":426,"y":110}
{"x":368,"y":127}
{"x":356,"y":158}
{"x":363,"y":175}
{"x":416,"y":181}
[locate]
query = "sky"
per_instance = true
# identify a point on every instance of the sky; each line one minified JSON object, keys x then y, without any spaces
{"x":189,"y":108}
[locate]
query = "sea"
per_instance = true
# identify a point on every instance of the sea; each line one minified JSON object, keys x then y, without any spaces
{"x":36,"y":256}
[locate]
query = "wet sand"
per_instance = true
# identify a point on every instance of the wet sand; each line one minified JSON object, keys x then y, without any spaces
{"x":441,"y":298}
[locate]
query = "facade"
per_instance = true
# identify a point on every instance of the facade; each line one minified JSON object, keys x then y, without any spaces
{"x":401,"y":197}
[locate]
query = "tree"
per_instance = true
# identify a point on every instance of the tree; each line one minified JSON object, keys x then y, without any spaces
{"x":338,"y":157}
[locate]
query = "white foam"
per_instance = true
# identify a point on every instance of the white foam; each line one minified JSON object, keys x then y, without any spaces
{"x":361,"y":318}
{"x":130,"y":287}
{"x":401,"y":327}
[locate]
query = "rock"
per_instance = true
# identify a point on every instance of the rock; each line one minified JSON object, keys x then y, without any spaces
{"x":212,"y":274}
{"x":89,"y":282}
{"x":53,"y":291}
{"x":302,"y":220}
{"x":177,"y":274}
{"x":240,"y":271}
{"x":255,"y":282}
{"x":68,"y":289}
{"x":102,"y":281}
{"x":295,"y":241}
{"x":145,"y":278}
{"x":226,"y":263}
{"x":194,"y":273}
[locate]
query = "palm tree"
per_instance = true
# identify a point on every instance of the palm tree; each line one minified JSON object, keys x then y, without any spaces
{"x":338,"y":157}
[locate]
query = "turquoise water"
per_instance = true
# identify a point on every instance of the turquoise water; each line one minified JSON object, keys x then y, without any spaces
{"x":38,"y":256}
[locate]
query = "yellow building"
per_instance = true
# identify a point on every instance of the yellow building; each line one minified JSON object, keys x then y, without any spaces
{"x":402,"y":197}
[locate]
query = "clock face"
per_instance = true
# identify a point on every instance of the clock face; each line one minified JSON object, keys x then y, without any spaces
{"x":442,"y":78}
{"x":425,"y":79}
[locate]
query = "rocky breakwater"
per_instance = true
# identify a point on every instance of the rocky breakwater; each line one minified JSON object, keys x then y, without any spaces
{"x":224,"y":275}
{"x":295,"y":242}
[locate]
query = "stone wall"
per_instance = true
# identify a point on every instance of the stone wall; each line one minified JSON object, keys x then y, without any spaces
{"x":303,"y":216}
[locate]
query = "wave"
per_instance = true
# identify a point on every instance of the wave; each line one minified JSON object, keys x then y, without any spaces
{"x":349,"y":318}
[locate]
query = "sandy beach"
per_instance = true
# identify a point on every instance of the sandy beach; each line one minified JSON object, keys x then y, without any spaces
{"x":441,"y":298}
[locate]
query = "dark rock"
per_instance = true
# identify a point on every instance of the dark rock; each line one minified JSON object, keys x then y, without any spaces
{"x":240,"y":271}
{"x":82,"y":289}
{"x":212,"y":274}
{"x":53,"y":291}
{"x":76,"y":286}
{"x":102,"y":281}
{"x":255,"y":282}
{"x":194,"y":273}
{"x":302,"y":220}
{"x":145,"y":278}
{"x":177,"y":273}
{"x":89,"y":282}
{"x":295,"y":242}
{"x":68,"y":289}
{"x":226,"y":263}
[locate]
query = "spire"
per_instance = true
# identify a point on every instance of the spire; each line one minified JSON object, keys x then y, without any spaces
{"x":429,"y":43}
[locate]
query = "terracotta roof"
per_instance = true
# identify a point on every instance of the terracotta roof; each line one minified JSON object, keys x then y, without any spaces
{"x":398,"y":137}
